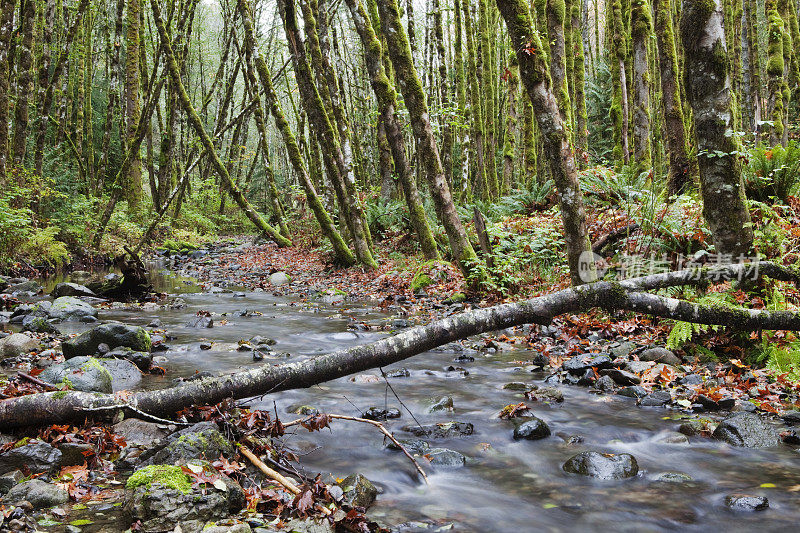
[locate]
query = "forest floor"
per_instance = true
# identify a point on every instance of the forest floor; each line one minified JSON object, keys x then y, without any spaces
{"x":623,"y":355}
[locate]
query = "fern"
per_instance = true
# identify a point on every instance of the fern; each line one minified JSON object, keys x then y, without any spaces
{"x":683,"y":332}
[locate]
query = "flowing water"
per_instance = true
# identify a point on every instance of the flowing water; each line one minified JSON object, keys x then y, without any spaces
{"x":507,"y":485}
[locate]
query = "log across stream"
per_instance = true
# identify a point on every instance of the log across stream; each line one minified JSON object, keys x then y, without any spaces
{"x":506,"y":485}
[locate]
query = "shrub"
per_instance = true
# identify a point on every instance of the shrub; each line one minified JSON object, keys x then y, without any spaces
{"x":773,"y":173}
{"x":42,"y":247}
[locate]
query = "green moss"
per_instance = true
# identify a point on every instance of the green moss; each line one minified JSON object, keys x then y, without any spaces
{"x":60,"y":394}
{"x":168,"y":476}
{"x":93,"y":363}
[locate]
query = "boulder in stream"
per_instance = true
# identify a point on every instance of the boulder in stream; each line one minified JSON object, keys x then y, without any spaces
{"x":532,"y":428}
{"x":603,"y":466}
{"x":40,"y":494}
{"x":358,"y":490}
{"x":35,"y":456}
{"x":200,"y":441}
{"x":94,"y":375}
{"x":70,"y":308}
{"x":17,"y":344}
{"x":445,"y":458}
{"x":744,"y":502}
{"x":747,"y":430}
{"x":71,"y":289}
{"x":113,"y":334}
{"x":441,"y":430}
{"x":24,"y":288}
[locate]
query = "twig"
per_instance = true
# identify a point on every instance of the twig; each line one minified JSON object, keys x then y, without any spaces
{"x":37,"y":381}
{"x":386,"y":379}
{"x":382,"y":429}
{"x":146,"y":416}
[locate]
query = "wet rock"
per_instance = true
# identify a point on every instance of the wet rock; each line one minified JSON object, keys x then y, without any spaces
{"x":201,"y":322}
{"x":656,"y":399}
{"x":70,"y":308}
{"x":142,"y":360}
{"x":441,"y":430}
{"x":692,"y":427}
{"x":588,"y":378}
{"x":624,"y":349}
{"x":24,"y":288}
{"x":279,"y":278}
{"x":379,"y":414}
{"x":94,"y":375}
{"x":244,"y":347}
{"x":637,"y":367}
{"x":743,"y":502}
{"x":399,"y":373}
{"x":17,"y":344}
{"x":747,"y":430}
{"x":414,"y":446}
{"x":792,"y":418}
{"x":358,"y":490}
{"x":206,"y":345}
{"x":38,"y":324}
{"x":162,"y":497}
{"x":579,"y":364}
{"x":671,"y":477}
{"x":9,"y":479}
{"x":302,"y":409}
{"x":114,"y":335}
{"x":605,"y":383}
{"x":231,"y":528}
{"x":40,"y":494}
{"x":673,"y":437}
{"x":633,"y":392}
{"x":532,"y":428}
{"x":308,"y":525}
{"x":200,"y":441}
{"x":401,"y":323}
{"x":35,"y":456}
{"x":621,"y":377}
{"x":259,"y":340}
{"x":691,"y":379}
{"x":155,"y":323}
{"x":71,"y":289}
{"x":140,"y":433}
{"x":442,"y":404}
{"x":602,"y":466}
{"x":660,"y":355}
{"x":72,"y":453}
{"x":446,"y":458}
{"x":515,"y":386}
{"x":547,"y":394}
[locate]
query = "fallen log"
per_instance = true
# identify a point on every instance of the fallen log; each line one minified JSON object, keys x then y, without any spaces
{"x":61,"y":406}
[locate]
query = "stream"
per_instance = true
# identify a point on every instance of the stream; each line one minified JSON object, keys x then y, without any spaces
{"x":506,"y":485}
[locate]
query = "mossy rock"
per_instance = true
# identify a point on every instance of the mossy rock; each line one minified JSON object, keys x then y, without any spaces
{"x":200,"y":441}
{"x":113,"y":335}
{"x":430,"y":273}
{"x":168,"y":476}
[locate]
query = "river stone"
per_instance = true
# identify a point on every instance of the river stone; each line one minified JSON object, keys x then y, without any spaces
{"x":656,"y":399}
{"x":72,"y":453}
{"x":279,"y":278}
{"x":413,"y":446}
{"x":633,"y":392}
{"x":200,"y":441}
{"x":40,"y":494}
{"x":94,"y":375}
{"x":9,"y":479}
{"x":379,"y":414}
{"x":138,"y":432}
{"x":112,"y":334}
{"x":31,"y":288}
{"x":446,"y":458}
{"x":142,"y":360}
{"x":441,"y":430}
{"x":358,"y":490}
{"x":660,"y":355}
{"x":70,"y":308}
{"x":201,"y":322}
{"x":605,"y":383}
{"x":35,"y":456}
{"x":792,"y":418}
{"x":579,"y":364}
{"x":547,"y":394}
{"x":532,"y":429}
{"x":621,"y":377}
{"x":602,"y":466}
{"x":17,"y":344}
{"x":743,"y":502}
{"x":233,"y":528}
{"x":637,"y":367}
{"x":162,"y":508}
{"x":38,"y":324}
{"x":71,"y":289}
{"x":747,"y":430}
{"x":624,"y":349}
{"x":309,"y":525}
{"x":671,"y":477}
{"x":442,"y":404}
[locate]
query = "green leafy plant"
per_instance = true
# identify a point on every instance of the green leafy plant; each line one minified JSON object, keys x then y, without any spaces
{"x":683,"y":332}
{"x":773,"y":173}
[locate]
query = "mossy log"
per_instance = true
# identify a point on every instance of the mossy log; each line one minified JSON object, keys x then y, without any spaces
{"x":58,"y":407}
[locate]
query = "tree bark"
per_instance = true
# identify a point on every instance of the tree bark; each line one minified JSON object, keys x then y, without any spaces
{"x":708,"y":92}
{"x":641,"y":30}
{"x":6,"y":30}
{"x":24,"y":82}
{"x":537,"y":81}
{"x":132,"y":182}
{"x":59,"y":407}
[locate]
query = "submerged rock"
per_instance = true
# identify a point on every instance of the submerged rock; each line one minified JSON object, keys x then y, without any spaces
{"x":114,"y":335}
{"x":442,"y":404}
{"x":40,"y":494}
{"x":70,"y":308}
{"x":71,"y":289}
{"x":379,"y":414}
{"x":532,"y":428}
{"x":671,"y":477}
{"x":441,"y":430}
{"x":747,"y":430}
{"x":743,"y":502}
{"x":446,"y":458}
{"x":602,"y":466}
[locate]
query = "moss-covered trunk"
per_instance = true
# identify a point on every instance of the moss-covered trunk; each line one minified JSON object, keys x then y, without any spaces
{"x":6,"y":30}
{"x":641,"y":30}
{"x":480,"y":181}
{"x":775,"y":72}
{"x":511,"y":77}
{"x":708,"y":91}
{"x":410,"y":87}
{"x":617,"y":58}
{"x":25,"y":74}
{"x":537,"y":82}
{"x":580,"y":42}
{"x":194,"y":119}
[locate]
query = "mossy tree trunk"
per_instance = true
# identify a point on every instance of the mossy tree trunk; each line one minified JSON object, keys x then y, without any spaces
{"x":387,"y":105}
{"x":641,"y":32}
{"x":619,"y":104}
{"x":579,"y":44}
{"x":775,"y":72}
{"x":536,"y":79}
{"x":25,"y":74}
{"x":477,"y":125}
{"x":680,"y":175}
{"x":342,"y":253}
{"x":511,"y":77}
{"x":444,"y":92}
{"x":410,"y":87}
{"x":708,"y":90}
{"x":487,"y":74}
{"x":194,"y":119}
{"x":6,"y":31}
{"x":132,"y":183}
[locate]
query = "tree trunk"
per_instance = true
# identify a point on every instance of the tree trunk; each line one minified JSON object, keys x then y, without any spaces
{"x":132,"y":183}
{"x":60,"y":407}
{"x":641,"y":30}
{"x":619,"y":104}
{"x":175,"y":74}
{"x":387,"y":104}
{"x":475,"y":107}
{"x":410,"y":87}
{"x":510,"y":141}
{"x":580,"y":45}
{"x":342,"y":253}
{"x":6,"y":31}
{"x":680,"y":175}
{"x":537,"y":81}
{"x":24,"y":82}
{"x":708,"y":92}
